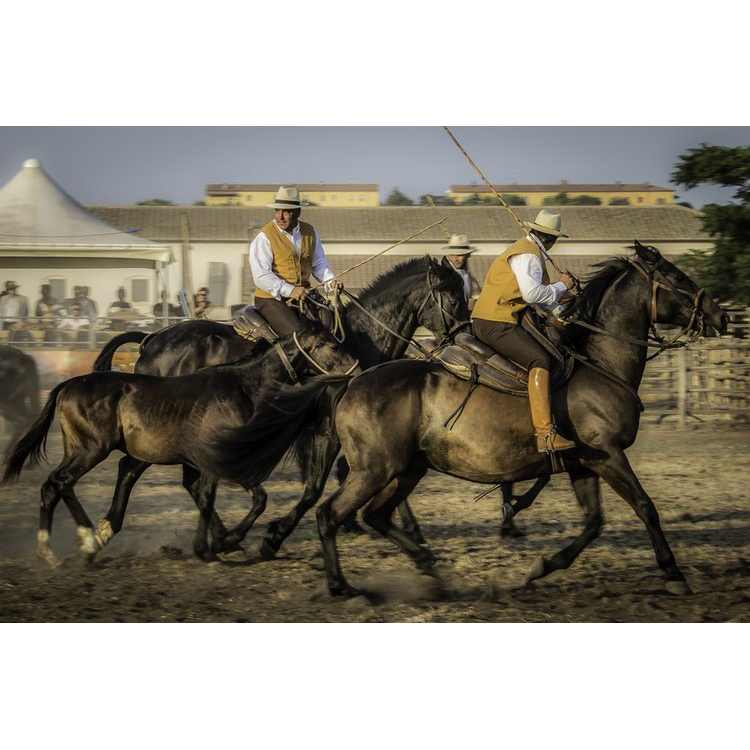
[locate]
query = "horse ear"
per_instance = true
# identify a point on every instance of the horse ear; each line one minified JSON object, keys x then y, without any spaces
{"x":647,"y":253}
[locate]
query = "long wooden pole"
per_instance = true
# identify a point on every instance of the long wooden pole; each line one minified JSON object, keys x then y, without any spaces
{"x":499,"y":197}
{"x":372,"y":257}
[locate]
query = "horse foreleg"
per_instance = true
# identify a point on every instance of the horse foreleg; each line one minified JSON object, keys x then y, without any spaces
{"x":379,"y":511}
{"x":203,"y":492}
{"x":236,"y":534}
{"x":409,"y":522}
{"x":514,"y":504}
{"x":619,"y":475}
{"x":320,"y":461}
{"x":129,"y":471}
{"x":49,"y":500}
{"x":586,"y":487}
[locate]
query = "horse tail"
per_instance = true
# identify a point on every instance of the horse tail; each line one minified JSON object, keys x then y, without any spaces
{"x":32,"y":444}
{"x":284,"y":424}
{"x":103,"y":363}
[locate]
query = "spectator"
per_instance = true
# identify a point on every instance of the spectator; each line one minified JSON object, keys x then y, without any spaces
{"x":201,"y":303}
{"x":14,"y":308}
{"x":120,"y":303}
{"x":81,"y":297}
{"x":47,"y":307}
{"x":173,"y":311}
{"x":76,"y":323}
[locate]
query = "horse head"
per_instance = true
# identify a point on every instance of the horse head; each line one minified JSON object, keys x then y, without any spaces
{"x":675,"y":298}
{"x":444,"y":308}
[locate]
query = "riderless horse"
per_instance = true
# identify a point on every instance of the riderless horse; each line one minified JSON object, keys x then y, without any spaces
{"x":378,"y":326}
{"x":162,"y":420}
{"x":19,"y":388}
{"x":396,"y":421}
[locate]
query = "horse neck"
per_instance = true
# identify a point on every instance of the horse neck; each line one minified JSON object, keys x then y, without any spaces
{"x":623,"y":313}
{"x":368,"y":341}
{"x":265,"y":370}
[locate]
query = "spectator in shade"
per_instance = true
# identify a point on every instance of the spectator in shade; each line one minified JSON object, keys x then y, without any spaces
{"x":201,"y":303}
{"x":14,"y":308}
{"x":120,"y":303}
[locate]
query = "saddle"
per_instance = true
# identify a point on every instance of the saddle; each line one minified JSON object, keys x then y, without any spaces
{"x":251,"y":325}
{"x":470,"y":359}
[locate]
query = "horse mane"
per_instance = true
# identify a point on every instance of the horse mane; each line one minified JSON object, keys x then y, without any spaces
{"x":586,"y":304}
{"x":392,"y":281}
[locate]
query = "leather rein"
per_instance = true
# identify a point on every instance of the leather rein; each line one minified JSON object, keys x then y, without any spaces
{"x":290,"y":369}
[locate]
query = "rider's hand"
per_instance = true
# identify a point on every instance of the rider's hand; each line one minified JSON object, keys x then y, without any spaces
{"x":299,"y":292}
{"x":567,"y":279}
{"x":336,"y":285}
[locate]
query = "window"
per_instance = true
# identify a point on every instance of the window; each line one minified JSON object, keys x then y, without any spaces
{"x":218,"y":281}
{"x":58,"y":288}
{"x":139,"y":289}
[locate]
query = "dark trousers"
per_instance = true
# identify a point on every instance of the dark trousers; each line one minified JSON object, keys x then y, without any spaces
{"x":512,"y":342}
{"x":280,"y":316}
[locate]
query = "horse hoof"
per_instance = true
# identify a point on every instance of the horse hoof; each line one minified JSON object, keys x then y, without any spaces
{"x":511,"y":532}
{"x":536,"y":570}
{"x":267,"y":550}
{"x":678,"y":588}
{"x":345,"y":592}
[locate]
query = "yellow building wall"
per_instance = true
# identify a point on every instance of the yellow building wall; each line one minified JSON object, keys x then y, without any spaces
{"x":650,"y":198}
{"x":323,"y":198}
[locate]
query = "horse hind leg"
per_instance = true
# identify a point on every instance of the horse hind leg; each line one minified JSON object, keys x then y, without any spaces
{"x":50,"y":497}
{"x":587,"y":490}
{"x":233,"y":538}
{"x":514,"y":504}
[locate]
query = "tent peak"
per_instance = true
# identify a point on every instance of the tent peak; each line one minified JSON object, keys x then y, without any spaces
{"x":32,"y":164}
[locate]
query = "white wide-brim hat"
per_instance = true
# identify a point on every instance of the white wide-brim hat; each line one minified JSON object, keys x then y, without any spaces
{"x":547,"y":223}
{"x":459,"y":245}
{"x":287,"y":197}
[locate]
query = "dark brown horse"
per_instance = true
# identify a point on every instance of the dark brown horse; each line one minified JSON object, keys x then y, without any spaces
{"x":19,"y":388}
{"x":377,"y":327}
{"x":391,"y":420}
{"x":155,"y":420}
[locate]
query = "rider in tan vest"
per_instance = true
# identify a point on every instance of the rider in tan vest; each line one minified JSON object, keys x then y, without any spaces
{"x":284,"y":257}
{"x":516,"y":279}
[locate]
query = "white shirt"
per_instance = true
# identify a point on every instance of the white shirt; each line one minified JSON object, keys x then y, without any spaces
{"x":529,"y":272}
{"x":261,"y":263}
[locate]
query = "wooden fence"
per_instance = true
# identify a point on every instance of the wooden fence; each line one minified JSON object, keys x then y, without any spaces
{"x":708,"y":380}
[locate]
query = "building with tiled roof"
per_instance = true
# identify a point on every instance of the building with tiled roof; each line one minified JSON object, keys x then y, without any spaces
{"x":618,"y":193}
{"x":217,"y":238}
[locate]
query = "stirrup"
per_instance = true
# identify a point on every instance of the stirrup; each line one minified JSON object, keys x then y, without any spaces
{"x":546,"y":443}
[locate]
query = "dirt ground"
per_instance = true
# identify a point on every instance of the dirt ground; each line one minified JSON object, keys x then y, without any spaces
{"x":697,"y":476}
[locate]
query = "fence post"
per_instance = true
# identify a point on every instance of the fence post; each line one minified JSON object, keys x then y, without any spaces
{"x":681,"y":386}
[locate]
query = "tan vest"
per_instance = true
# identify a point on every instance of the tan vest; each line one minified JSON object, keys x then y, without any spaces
{"x":500,"y":298}
{"x":287,"y":264}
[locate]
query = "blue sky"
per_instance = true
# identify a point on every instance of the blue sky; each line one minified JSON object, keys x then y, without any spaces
{"x":124,"y":165}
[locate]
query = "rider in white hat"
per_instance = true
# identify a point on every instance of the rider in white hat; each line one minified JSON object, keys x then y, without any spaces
{"x":516,"y":279}
{"x":457,"y":253}
{"x":284,"y":256}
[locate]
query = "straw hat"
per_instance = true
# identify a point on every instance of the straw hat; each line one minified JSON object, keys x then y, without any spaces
{"x":547,"y":223}
{"x":459,"y":245}
{"x":10,"y":285}
{"x":287,"y":197}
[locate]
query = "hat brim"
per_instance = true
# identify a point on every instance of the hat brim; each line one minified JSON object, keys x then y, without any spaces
{"x":459,"y":250}
{"x":546,"y":230}
{"x":287,"y":206}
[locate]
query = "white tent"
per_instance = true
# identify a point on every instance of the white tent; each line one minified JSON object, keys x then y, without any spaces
{"x":41,"y":226}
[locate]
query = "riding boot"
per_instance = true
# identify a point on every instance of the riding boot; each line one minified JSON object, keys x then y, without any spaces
{"x":547,"y":437}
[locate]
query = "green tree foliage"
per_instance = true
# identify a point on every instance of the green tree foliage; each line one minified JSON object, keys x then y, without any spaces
{"x":397,"y":198}
{"x":725,"y":272}
{"x":438,"y":200}
{"x":563,"y":199}
{"x":155,"y":202}
{"x":619,"y":201}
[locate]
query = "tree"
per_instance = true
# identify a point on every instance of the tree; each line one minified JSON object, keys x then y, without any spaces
{"x":397,"y":198}
{"x":155,"y":202}
{"x":563,"y":199}
{"x":724,"y":272}
{"x":438,"y":200}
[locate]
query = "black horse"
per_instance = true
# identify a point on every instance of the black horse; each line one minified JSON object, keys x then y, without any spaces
{"x":156,"y":420}
{"x":19,"y":388}
{"x":391,"y":420}
{"x":377,"y":327}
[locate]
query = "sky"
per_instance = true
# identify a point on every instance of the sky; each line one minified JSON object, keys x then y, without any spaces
{"x":124,"y":165}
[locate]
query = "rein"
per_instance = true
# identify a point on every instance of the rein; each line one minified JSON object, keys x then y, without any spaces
{"x":290,"y":369}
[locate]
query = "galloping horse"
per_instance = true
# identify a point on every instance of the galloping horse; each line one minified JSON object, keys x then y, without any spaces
{"x":156,"y":420}
{"x":391,"y":420}
{"x":377,"y":327}
{"x":19,"y":388}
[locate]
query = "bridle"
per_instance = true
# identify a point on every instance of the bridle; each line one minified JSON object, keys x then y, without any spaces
{"x":290,"y":369}
{"x":446,"y":316}
{"x":657,"y":280}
